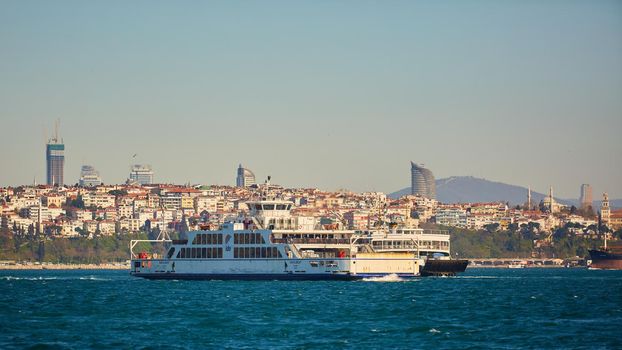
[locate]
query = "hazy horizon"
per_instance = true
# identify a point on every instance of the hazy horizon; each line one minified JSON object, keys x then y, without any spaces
{"x":316,"y":93}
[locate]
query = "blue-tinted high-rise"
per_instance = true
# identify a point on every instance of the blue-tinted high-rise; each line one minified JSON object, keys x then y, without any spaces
{"x":422,"y":181}
{"x":55,"y":160}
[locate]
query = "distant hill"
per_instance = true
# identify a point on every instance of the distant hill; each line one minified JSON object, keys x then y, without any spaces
{"x":468,"y":189}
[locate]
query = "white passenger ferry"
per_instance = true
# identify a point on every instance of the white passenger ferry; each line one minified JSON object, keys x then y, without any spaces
{"x":272,"y":244}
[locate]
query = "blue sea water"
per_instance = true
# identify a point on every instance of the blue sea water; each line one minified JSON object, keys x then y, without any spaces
{"x":482,"y":308}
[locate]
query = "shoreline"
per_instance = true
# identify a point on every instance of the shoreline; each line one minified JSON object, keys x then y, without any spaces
{"x":50,"y":266}
{"x":121,"y":266}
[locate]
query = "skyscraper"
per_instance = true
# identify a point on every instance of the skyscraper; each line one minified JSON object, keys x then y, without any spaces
{"x":89,"y":177}
{"x":245,"y":177}
{"x":142,"y":174}
{"x":586,"y":196}
{"x":55,"y":159}
{"x":422,"y":181}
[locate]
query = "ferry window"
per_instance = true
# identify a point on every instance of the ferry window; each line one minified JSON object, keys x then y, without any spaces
{"x":280,"y":207}
{"x":263,"y":241}
{"x":170,"y":252}
{"x":194,"y":241}
{"x":246,"y":253}
{"x":268,"y":206}
{"x":219,"y":238}
{"x":263,"y":252}
{"x":289,"y":206}
{"x":209,"y":253}
{"x":245,"y":239}
{"x":252,"y":238}
{"x":268,"y":252}
{"x":182,"y":253}
{"x":235,"y":252}
{"x":203,"y":253}
{"x":219,"y":253}
{"x":257,"y":252}
{"x":208,"y":239}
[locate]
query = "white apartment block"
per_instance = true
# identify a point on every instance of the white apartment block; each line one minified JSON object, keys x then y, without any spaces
{"x":102,"y":200}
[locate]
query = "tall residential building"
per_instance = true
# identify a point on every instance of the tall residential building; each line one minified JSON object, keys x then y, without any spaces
{"x":245,"y":177}
{"x":55,"y":159}
{"x":142,"y":174}
{"x":89,"y":177}
{"x":586,"y":196}
{"x":422,"y":181}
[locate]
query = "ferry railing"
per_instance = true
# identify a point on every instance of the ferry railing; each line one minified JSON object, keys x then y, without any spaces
{"x":312,"y":240}
{"x":134,"y":242}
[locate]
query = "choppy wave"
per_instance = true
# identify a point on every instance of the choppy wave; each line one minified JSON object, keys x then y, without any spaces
{"x":52,"y":278}
{"x":388,"y":278}
{"x":15,"y":278}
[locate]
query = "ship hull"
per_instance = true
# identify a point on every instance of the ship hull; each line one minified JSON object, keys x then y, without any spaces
{"x":263,"y":277}
{"x":443,"y":267}
{"x":605,"y":260}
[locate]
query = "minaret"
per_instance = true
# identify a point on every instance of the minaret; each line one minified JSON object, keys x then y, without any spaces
{"x":551,"y":199}
{"x":529,"y":198}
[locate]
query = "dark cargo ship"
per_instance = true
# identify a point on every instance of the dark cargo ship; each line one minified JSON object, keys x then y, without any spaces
{"x":443,"y":267}
{"x":607,"y":258}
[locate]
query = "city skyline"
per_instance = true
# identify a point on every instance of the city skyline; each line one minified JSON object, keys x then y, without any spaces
{"x":338,"y":96}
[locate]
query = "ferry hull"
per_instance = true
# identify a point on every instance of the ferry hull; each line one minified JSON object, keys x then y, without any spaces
{"x":264,"y":277}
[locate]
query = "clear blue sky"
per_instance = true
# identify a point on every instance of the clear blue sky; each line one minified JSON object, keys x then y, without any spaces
{"x":333,"y":94}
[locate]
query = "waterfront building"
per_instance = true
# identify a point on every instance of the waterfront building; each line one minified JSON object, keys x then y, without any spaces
{"x":245,"y":177}
{"x":55,"y":159}
{"x":586,"y":196}
{"x":141,"y":174}
{"x":422,"y":181}
{"x":89,"y":177}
